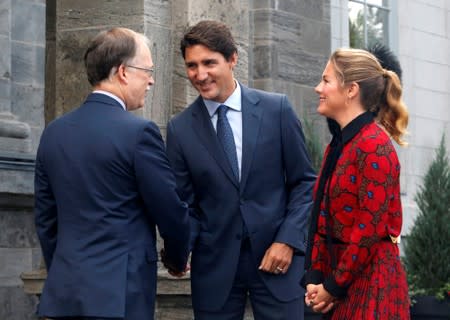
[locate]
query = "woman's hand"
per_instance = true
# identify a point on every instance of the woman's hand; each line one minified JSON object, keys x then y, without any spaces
{"x":311,"y":293}
{"x":319,"y":299}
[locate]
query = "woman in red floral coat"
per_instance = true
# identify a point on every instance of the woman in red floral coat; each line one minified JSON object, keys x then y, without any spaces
{"x":353,"y":269}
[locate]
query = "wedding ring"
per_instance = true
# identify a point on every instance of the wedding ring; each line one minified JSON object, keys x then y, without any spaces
{"x":280,"y":269}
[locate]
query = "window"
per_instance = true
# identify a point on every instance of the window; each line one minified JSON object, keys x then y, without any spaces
{"x":369,"y":23}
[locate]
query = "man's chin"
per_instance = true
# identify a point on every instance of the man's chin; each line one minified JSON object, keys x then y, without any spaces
{"x":207,"y":95}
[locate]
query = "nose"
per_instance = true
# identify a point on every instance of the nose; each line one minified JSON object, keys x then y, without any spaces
{"x":202,"y":73}
{"x":151,"y":81}
{"x":317,"y":88}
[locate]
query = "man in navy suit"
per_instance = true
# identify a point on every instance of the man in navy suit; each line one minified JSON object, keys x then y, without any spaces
{"x":249,"y":196}
{"x":102,"y":184}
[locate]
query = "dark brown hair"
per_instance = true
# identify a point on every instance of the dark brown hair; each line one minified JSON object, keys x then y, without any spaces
{"x":214,"y":35}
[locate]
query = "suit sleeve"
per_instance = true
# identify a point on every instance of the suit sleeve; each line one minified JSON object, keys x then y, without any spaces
{"x":184,"y":182}
{"x":156,"y":183}
{"x":300,"y":178}
{"x":45,"y":209}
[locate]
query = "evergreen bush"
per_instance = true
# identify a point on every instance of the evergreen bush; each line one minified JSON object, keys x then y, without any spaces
{"x":427,"y":247}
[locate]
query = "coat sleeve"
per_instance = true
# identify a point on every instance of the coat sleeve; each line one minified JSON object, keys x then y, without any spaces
{"x":300,"y":178}
{"x":45,"y":208}
{"x":184,"y":182}
{"x":376,"y":212}
{"x":156,"y":182}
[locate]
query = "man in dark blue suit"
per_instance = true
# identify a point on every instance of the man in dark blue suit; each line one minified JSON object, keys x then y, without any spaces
{"x":240,"y":161}
{"x":102,"y":185}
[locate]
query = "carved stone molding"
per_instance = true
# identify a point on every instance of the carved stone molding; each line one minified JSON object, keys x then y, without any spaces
{"x":14,"y":134}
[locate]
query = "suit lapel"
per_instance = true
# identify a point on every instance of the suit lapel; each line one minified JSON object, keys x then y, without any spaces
{"x":207,"y":135}
{"x":251,"y":119}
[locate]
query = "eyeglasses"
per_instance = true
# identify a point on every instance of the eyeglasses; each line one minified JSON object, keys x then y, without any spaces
{"x":148,"y":71}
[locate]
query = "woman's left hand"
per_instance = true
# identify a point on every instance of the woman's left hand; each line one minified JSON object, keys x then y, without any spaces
{"x":323,"y":301}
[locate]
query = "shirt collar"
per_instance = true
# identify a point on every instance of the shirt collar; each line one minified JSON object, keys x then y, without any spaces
{"x":234,"y":101}
{"x":109,"y":94}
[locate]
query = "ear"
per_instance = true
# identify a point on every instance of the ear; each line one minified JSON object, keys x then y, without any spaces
{"x":122,"y":74}
{"x":233,"y":59}
{"x":352,"y":90}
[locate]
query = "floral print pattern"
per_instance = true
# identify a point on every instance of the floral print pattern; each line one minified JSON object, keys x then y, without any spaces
{"x":365,"y":210}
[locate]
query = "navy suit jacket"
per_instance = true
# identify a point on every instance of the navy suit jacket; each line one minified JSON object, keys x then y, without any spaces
{"x":102,"y":183}
{"x":273,"y":198}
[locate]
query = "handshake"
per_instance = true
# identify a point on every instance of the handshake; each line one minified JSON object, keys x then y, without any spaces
{"x":171,"y":268}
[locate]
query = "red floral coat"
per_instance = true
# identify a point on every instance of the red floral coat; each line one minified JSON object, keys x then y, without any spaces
{"x":365,"y":212}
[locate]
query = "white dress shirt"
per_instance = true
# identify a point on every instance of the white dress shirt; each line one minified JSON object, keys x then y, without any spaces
{"x":234,"y":116}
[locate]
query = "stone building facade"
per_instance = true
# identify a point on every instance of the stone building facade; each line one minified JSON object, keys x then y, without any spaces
{"x":419,"y":26}
{"x":22,"y":66}
{"x":283,"y":46}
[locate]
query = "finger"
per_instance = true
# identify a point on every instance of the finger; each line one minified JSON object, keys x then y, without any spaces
{"x":308,"y":301}
{"x":328,"y":307}
{"x":273,"y":264}
{"x":319,"y":306}
{"x":176,"y":274}
{"x":280,"y":269}
{"x":268,"y":264}
{"x":285,"y":267}
{"x":263,"y":266}
{"x":311,"y":294}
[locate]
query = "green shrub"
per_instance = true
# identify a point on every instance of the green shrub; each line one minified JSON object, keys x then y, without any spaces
{"x":427,"y":247}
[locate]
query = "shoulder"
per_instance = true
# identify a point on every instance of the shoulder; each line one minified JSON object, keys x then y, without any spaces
{"x":274,"y":104}
{"x":252,"y":93}
{"x":182,"y":116}
{"x":61,"y":121}
{"x":186,"y":114}
{"x":373,"y":135}
{"x":375,"y":145}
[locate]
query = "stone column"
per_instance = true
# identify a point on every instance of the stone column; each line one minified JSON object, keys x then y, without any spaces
{"x":291,"y":44}
{"x":21,"y":107}
{"x":14,"y":134}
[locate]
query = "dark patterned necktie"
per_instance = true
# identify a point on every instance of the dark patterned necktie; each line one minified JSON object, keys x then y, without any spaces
{"x":225,"y":135}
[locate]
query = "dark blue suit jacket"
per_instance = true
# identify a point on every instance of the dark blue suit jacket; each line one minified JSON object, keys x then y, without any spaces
{"x":274,"y":195}
{"x":102,"y":183}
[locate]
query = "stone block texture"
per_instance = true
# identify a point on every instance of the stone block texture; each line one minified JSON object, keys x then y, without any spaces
{"x":282,"y":45}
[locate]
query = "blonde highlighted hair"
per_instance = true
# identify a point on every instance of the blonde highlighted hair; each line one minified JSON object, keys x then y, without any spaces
{"x":380,"y":89}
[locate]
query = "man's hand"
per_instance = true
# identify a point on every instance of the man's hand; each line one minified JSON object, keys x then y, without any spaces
{"x":179,"y":274}
{"x":171,"y":269}
{"x":277,"y":258}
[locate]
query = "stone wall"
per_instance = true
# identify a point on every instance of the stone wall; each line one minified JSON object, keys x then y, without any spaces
{"x":22,"y":65}
{"x":283,"y":46}
{"x":291,"y":45}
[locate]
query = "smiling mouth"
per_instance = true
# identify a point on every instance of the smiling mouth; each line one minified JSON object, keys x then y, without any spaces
{"x":204,"y":86}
